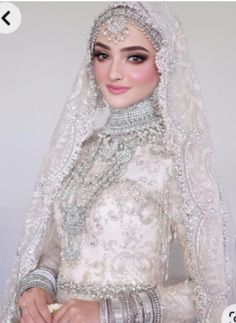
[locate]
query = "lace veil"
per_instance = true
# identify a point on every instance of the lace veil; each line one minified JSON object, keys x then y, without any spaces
{"x":186,"y":135}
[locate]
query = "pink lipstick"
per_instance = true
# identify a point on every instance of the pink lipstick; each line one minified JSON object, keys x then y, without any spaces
{"x":117,"y":89}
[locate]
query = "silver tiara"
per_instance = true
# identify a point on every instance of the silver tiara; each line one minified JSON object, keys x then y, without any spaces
{"x":116,"y":29}
{"x":113,"y":23}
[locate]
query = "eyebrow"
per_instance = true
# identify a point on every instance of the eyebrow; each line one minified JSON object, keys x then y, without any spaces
{"x":125,"y":49}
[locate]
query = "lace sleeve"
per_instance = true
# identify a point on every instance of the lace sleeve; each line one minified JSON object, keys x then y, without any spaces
{"x":45,"y":274}
{"x":181,"y":300}
{"x":50,"y":257}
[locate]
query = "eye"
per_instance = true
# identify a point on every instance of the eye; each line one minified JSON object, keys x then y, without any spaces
{"x":100,"y":56}
{"x":137,"y":58}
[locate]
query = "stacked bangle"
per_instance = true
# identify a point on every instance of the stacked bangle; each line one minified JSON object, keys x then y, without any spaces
{"x":41,"y":277}
{"x":142,"y":307}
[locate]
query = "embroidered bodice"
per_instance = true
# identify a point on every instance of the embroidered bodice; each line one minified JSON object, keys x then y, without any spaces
{"x":116,"y":214}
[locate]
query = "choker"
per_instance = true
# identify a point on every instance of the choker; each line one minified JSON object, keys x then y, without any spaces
{"x":136,"y":117}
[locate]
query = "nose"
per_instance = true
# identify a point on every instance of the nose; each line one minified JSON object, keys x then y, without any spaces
{"x":115,"y":71}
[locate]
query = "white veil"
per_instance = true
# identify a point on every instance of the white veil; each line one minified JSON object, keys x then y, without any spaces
{"x":186,"y":135}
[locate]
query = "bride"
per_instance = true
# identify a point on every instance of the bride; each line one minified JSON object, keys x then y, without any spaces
{"x":109,"y":200}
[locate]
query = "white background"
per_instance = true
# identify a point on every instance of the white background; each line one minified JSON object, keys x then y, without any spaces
{"x":38,"y":64}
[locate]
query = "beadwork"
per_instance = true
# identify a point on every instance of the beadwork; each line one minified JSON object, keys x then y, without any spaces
{"x":124,"y":131}
{"x":114,"y":22}
{"x":97,"y":291}
{"x":116,"y":29}
{"x":40,"y":277}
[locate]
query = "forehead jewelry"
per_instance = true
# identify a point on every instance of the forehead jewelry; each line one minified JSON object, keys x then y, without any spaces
{"x":116,"y":29}
{"x":114,"y":25}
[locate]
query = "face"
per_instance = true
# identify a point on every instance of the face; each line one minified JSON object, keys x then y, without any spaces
{"x":125,"y":72}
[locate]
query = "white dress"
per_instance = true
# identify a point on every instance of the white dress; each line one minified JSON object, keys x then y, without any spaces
{"x":125,"y":235}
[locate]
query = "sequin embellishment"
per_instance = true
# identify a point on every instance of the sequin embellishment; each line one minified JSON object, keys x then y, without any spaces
{"x":114,"y":146}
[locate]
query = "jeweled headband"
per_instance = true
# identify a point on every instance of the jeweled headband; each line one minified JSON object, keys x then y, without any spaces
{"x":114,"y":25}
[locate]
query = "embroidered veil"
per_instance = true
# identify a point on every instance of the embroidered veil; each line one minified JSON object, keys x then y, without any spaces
{"x":186,"y":135}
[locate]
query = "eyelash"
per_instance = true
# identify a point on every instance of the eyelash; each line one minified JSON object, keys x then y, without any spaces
{"x":141,"y":58}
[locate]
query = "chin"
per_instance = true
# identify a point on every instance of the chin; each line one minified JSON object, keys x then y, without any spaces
{"x":119,"y":102}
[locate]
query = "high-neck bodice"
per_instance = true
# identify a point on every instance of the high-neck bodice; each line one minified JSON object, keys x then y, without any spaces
{"x":143,"y":114}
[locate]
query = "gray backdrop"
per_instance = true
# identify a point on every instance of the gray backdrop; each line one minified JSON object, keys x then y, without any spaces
{"x":38,"y":64}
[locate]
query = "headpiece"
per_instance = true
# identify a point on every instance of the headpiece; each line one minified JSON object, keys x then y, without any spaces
{"x":114,"y":25}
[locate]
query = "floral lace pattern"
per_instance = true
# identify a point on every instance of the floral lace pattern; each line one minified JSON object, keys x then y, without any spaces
{"x":127,"y":236}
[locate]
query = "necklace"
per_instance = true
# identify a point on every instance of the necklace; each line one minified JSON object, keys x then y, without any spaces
{"x":114,"y":146}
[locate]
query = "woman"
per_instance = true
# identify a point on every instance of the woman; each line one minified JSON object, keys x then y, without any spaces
{"x":110,"y":199}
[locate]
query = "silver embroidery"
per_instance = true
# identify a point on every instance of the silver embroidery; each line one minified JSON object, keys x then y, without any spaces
{"x":115,"y":145}
{"x":97,"y":291}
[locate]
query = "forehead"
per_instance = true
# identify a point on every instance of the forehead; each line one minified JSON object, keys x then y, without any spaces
{"x":134,"y":38}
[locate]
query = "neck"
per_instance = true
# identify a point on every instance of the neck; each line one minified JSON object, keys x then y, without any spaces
{"x":132,"y":118}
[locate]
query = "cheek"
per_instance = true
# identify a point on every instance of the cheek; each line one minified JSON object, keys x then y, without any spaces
{"x":99,"y":72}
{"x":145,"y":73}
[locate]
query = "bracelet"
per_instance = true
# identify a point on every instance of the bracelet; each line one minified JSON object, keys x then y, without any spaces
{"x":47,"y":273}
{"x":37,"y":283}
{"x":142,"y":307}
{"x":103,"y":310}
{"x":141,"y":314}
{"x":125,"y":307}
{"x":41,"y":277}
{"x":156,"y":305}
{"x":148,"y":307}
{"x":117,"y":309}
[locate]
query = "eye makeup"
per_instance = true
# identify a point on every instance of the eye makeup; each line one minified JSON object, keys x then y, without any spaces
{"x":134,"y":58}
{"x":98,"y":55}
{"x":139,"y":58}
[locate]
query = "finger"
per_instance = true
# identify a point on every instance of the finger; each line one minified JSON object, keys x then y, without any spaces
{"x":21,"y":318}
{"x":65,"y":318}
{"x":34,"y":313}
{"x":75,"y":320}
{"x":60,"y":313}
{"x":42,"y":307}
{"x":25,"y":317}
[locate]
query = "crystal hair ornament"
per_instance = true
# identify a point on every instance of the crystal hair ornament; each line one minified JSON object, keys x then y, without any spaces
{"x":116,"y":20}
{"x":186,"y":136}
{"x":115,"y":29}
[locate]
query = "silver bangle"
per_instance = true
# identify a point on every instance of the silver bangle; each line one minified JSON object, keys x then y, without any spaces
{"x":117,"y":309}
{"x":125,"y":306}
{"x":40,"y":277}
{"x":142,"y":307}
{"x":141,"y":313}
{"x":110,"y":313}
{"x":148,"y":307}
{"x":103,"y":311}
{"x":156,"y":305}
{"x":47,"y":273}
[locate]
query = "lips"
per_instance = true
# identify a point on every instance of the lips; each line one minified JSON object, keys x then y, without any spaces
{"x":117,"y":89}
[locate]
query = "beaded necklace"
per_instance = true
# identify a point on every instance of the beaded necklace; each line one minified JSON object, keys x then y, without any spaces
{"x":114,"y":147}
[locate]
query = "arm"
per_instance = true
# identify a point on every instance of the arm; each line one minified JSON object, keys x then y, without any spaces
{"x":45,"y":274}
{"x":191,"y":298}
{"x":180,"y":302}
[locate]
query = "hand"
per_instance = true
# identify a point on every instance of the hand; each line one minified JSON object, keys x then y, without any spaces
{"x":78,"y":311}
{"x":33,"y":305}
